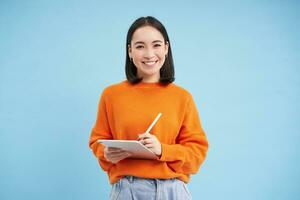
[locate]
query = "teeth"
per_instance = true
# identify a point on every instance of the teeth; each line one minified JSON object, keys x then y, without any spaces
{"x":150,"y":63}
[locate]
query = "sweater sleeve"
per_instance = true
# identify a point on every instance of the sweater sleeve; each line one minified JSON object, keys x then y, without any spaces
{"x":101,"y":130}
{"x":191,"y":146}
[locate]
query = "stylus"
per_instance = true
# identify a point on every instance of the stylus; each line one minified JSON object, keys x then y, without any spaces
{"x":154,"y":121}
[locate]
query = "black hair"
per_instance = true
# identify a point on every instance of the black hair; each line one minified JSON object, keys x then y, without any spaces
{"x":167,"y":70}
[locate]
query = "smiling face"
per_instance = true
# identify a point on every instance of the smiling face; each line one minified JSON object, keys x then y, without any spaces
{"x":148,"y":50}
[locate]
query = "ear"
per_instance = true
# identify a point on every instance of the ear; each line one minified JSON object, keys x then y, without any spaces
{"x":129,"y":50}
{"x":166,"y":48}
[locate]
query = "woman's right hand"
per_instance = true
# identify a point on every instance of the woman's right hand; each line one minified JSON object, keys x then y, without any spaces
{"x":114,"y":155}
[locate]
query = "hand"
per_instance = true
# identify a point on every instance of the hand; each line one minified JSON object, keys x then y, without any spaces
{"x":114,"y":155}
{"x":151,"y":142}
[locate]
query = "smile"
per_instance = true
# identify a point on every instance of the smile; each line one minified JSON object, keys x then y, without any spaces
{"x":150,"y":63}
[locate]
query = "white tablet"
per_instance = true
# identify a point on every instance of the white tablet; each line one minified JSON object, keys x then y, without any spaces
{"x":137,"y":149}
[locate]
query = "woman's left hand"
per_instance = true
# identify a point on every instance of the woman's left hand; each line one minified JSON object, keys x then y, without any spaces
{"x":151,"y":142}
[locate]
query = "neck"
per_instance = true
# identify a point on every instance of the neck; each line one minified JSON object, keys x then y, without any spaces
{"x":151,"y":79}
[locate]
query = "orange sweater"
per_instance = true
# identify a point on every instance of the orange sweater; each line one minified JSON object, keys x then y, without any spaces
{"x":126,"y":110}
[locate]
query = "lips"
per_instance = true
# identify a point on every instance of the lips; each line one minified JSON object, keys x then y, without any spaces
{"x":150,"y":63}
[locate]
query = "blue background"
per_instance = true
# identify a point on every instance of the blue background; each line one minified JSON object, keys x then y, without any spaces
{"x":239,"y":59}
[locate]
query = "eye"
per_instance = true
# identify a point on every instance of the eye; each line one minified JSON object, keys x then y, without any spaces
{"x":157,"y":45}
{"x":139,"y":47}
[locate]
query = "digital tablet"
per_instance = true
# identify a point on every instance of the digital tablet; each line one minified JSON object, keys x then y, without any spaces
{"x":137,"y":149}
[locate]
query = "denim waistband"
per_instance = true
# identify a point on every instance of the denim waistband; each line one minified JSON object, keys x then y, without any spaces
{"x":150,"y":188}
{"x":131,"y":179}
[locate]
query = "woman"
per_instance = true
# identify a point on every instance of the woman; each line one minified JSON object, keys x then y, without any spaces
{"x":126,"y":109}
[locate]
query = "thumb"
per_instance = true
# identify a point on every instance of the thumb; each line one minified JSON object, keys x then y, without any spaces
{"x":144,"y":135}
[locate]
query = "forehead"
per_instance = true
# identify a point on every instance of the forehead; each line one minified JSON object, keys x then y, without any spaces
{"x":147,"y":34}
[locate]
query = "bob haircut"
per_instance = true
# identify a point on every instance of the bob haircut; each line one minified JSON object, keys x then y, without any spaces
{"x":167,"y":70}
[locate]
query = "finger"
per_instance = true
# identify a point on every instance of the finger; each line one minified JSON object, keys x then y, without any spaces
{"x":141,"y":136}
{"x":148,"y":141}
{"x":106,"y":153}
{"x":116,"y":154}
{"x":143,"y":142}
{"x":149,"y":145}
{"x":151,"y":149}
{"x":114,"y":161}
{"x":127,"y":154}
{"x":119,"y":153}
{"x":148,"y":135}
{"x":114,"y":149}
{"x":117,"y":159}
{"x":144,"y":135}
{"x":105,"y":156}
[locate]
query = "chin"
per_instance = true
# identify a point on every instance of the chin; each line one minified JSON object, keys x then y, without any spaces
{"x":150,"y":73}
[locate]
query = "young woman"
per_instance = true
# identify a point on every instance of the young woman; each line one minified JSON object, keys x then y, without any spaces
{"x":126,"y":110}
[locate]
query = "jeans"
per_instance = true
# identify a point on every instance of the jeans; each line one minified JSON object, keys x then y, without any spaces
{"x":134,"y":188}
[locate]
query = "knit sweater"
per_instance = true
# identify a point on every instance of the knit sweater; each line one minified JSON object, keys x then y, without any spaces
{"x":126,"y":110}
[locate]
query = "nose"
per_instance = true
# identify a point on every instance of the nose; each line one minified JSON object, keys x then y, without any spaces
{"x":149,"y":53}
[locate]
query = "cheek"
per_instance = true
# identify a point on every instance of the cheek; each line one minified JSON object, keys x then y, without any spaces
{"x":136,"y":55}
{"x":162,"y":53}
{"x":162,"y":57}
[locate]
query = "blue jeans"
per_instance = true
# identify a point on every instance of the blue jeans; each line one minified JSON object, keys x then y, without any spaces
{"x":134,"y":188}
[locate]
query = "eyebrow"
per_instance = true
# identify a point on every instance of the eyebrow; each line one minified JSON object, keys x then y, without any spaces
{"x":140,"y":42}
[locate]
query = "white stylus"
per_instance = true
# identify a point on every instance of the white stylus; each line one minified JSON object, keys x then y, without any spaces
{"x":154,"y":121}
